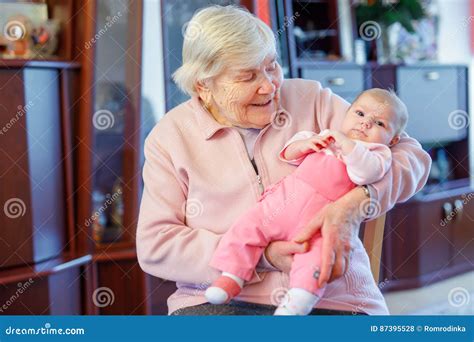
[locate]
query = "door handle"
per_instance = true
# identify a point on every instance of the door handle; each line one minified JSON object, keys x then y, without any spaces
{"x":459,"y":208}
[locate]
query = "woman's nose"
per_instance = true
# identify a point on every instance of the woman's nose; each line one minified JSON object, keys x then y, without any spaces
{"x":267,"y":86}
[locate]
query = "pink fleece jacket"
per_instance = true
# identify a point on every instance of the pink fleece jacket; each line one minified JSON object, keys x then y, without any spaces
{"x":199,"y":180}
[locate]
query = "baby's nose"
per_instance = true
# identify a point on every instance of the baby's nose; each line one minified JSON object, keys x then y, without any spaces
{"x":367,"y":124}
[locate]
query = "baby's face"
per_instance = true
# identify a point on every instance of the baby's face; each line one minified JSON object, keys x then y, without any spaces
{"x":370,"y":120}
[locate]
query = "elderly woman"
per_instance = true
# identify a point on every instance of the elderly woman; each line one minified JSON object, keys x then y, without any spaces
{"x":210,"y":158}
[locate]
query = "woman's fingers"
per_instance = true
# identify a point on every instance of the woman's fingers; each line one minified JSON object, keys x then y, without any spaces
{"x":339,"y":266}
{"x":310,"y":229}
{"x":328,"y":257}
{"x":290,"y":248}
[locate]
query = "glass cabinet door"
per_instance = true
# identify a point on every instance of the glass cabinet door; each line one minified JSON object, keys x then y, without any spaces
{"x":112,"y":120}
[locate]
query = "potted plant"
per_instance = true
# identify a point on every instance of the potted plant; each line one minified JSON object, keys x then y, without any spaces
{"x":376,"y":19}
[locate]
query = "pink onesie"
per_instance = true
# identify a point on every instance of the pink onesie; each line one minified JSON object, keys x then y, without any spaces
{"x":286,"y":207}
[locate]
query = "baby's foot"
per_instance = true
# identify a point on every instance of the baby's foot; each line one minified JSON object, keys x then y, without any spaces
{"x":299,"y":302}
{"x":224,"y":289}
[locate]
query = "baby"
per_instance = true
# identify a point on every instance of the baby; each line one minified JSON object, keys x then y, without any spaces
{"x":330,"y":164}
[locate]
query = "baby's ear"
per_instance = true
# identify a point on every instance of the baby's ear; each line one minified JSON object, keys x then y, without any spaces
{"x":394,"y":140}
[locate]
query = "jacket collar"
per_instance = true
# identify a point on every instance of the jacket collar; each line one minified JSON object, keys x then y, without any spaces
{"x":207,"y":124}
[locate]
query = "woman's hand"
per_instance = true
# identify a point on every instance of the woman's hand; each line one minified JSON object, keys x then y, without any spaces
{"x":339,"y":223}
{"x":280,"y":253}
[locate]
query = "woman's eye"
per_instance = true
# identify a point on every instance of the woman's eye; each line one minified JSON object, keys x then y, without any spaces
{"x":247,"y":78}
{"x":272,"y":67}
{"x":359,"y":113}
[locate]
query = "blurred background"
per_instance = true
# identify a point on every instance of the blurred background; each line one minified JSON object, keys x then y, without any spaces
{"x":84,"y":82}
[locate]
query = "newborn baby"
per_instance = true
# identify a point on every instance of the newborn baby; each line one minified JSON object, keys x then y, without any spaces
{"x":331,"y":163}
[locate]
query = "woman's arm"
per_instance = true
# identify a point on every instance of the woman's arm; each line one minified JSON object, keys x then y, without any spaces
{"x":166,"y":247}
{"x":410,"y":165}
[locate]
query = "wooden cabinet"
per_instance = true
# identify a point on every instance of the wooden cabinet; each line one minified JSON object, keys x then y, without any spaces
{"x":428,"y":239}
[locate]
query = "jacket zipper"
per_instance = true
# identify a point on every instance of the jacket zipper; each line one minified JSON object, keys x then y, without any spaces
{"x":260,"y":184}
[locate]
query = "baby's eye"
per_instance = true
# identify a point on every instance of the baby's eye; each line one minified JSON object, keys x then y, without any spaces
{"x":380,"y":123}
{"x":359,"y":113}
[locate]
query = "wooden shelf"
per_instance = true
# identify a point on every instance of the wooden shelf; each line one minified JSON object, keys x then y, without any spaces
{"x":42,"y":269}
{"x":37,"y":63}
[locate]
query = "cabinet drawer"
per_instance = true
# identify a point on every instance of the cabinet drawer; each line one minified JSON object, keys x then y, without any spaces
{"x":347,"y":80}
{"x":431,"y":95}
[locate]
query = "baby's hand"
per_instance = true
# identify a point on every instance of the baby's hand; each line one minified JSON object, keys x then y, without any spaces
{"x":303,"y":147}
{"x":340,"y":140}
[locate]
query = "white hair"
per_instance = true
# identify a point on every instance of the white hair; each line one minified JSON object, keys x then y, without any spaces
{"x":220,"y":36}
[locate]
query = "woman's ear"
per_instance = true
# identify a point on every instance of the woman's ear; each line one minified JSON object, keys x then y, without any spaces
{"x":202,"y":88}
{"x":394,"y":140}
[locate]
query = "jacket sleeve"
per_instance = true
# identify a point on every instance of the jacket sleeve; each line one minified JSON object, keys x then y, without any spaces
{"x":410,"y":166}
{"x":298,"y":136}
{"x":367,"y":165}
{"x":166,"y":247}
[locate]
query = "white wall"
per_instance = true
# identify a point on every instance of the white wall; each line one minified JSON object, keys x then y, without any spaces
{"x":455,"y":47}
{"x":153,"y":77}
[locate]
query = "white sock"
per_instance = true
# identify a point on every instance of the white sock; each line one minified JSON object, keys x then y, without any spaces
{"x":300,"y":302}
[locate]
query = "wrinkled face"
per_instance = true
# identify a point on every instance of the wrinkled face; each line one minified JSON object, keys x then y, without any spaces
{"x":371,"y":120}
{"x":247,"y":97}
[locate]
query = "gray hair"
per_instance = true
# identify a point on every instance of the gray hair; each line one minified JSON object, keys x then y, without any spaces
{"x":220,"y":36}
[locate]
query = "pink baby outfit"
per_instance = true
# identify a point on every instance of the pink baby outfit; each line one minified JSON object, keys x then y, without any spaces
{"x":282,"y":211}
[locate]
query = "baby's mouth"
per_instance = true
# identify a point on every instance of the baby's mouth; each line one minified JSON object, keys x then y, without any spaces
{"x":359,"y":132}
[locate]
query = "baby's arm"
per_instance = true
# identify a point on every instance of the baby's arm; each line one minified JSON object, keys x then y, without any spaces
{"x":367,"y":166}
{"x":364,"y":165}
{"x":300,"y":145}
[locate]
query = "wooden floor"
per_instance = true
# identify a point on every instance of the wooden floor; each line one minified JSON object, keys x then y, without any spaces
{"x":454,"y":296}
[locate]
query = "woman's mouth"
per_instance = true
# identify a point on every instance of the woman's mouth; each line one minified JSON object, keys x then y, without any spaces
{"x":264,"y":104}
